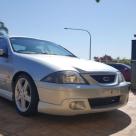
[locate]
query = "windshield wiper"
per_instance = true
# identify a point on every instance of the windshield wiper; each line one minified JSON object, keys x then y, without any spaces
{"x":71,"y":56}
{"x":31,"y":52}
{"x":42,"y":53}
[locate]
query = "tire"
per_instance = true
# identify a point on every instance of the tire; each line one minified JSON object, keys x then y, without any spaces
{"x":25,"y":95}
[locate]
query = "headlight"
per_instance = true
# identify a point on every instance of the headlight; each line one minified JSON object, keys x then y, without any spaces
{"x":120,"y":77}
{"x":65,"y":77}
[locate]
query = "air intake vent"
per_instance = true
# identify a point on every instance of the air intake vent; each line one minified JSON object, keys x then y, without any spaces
{"x":100,"y":102}
{"x":104,"y":79}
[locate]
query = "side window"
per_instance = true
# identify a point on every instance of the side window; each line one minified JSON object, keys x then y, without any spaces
{"x":19,"y":47}
{"x":4,"y":44}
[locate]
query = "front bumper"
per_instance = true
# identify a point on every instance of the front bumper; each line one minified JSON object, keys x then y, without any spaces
{"x":76,"y":99}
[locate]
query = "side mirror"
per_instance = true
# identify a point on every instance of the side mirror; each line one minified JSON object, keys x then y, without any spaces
{"x":3,"y":53}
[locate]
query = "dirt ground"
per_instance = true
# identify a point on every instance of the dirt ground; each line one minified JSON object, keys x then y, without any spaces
{"x":120,"y":122}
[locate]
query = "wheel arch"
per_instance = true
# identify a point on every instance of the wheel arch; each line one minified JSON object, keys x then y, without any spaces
{"x":35,"y":95}
{"x":16,"y":75}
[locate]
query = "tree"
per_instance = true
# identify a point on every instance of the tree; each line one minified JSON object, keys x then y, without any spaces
{"x":3,"y":29}
{"x":105,"y":59}
{"x":97,"y":1}
{"x":109,"y":59}
{"x":125,"y":61}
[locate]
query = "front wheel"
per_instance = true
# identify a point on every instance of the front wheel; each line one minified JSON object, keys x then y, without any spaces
{"x":25,"y":95}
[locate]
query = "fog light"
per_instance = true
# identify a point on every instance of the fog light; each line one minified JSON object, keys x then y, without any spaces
{"x":77,"y":105}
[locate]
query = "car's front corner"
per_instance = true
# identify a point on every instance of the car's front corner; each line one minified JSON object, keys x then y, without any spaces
{"x":92,"y":96}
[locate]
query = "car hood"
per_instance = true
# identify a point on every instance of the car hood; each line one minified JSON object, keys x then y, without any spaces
{"x":70,"y":63}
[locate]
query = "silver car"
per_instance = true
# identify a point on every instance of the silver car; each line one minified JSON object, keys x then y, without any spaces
{"x":42,"y":76}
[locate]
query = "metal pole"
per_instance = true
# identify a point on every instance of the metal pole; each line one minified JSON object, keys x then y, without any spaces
{"x":133,"y":66}
{"x":90,"y":49}
{"x":88,"y":34}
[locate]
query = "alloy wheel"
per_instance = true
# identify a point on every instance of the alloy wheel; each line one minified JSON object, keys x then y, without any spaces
{"x":23,"y":94}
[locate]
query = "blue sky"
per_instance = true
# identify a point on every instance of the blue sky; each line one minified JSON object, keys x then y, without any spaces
{"x":112,"y":23}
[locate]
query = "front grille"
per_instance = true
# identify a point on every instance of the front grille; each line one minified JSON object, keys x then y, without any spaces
{"x":104,"y":79}
{"x":103,"y":102}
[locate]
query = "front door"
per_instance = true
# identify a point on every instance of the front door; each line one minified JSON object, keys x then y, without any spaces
{"x":4,"y":66}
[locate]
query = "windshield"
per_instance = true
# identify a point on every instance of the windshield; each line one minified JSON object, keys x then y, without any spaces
{"x":33,"y":46}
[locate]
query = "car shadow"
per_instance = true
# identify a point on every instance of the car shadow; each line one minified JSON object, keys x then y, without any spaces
{"x":103,"y":124}
{"x":134,"y":92}
{"x":98,"y":124}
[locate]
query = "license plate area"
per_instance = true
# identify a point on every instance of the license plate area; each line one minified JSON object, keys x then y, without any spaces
{"x":110,"y":93}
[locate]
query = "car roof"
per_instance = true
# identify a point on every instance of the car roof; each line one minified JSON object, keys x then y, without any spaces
{"x":120,"y":64}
